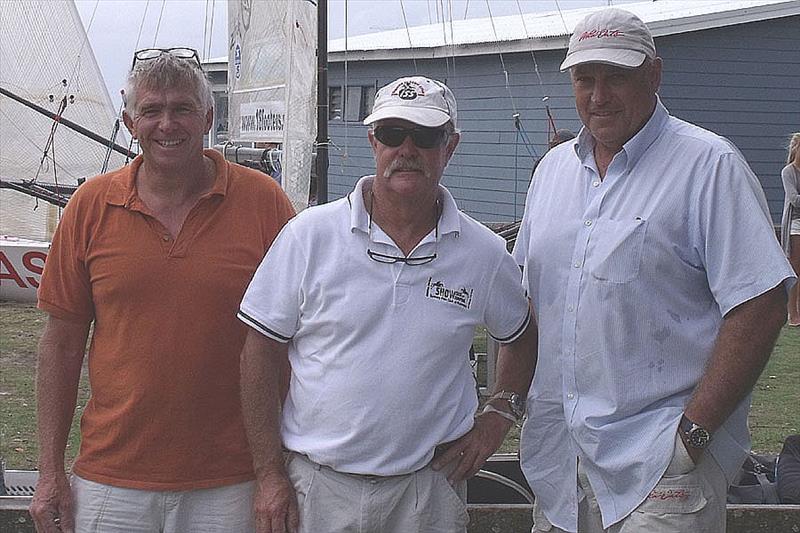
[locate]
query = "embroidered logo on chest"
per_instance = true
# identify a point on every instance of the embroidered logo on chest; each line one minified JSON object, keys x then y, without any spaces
{"x":437,"y":290}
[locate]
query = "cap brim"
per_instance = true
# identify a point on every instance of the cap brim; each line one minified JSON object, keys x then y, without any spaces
{"x":430,"y":118}
{"x":608,"y":56}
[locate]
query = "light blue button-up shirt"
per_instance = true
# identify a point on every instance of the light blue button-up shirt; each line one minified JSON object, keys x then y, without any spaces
{"x":630,"y":277}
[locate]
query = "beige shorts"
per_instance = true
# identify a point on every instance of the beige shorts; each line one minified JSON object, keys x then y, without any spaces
{"x":420,"y":502}
{"x":702,"y":512}
{"x":109,"y":509}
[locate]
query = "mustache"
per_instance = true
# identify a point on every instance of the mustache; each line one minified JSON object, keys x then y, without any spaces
{"x":406,"y":164}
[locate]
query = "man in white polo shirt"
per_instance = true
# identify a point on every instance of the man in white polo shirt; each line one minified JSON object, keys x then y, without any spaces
{"x":660,"y":289}
{"x":373,"y":299}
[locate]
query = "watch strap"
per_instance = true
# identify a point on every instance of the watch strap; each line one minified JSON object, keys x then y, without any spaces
{"x":491,"y":409}
{"x":689,"y":428}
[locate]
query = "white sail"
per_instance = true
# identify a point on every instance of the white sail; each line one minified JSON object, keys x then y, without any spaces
{"x":45,"y":56}
{"x":272,"y":83}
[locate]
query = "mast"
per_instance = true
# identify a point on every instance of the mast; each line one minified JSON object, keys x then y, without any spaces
{"x":322,"y":102}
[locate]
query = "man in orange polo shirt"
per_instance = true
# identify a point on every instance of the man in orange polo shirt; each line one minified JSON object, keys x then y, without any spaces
{"x":156,"y":256}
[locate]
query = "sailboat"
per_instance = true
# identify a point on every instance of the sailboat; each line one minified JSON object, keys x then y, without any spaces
{"x":49,"y":83}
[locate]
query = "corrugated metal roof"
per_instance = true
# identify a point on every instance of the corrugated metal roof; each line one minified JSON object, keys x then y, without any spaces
{"x":548,"y":30}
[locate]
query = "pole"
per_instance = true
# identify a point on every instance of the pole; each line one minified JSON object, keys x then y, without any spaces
{"x":322,"y":102}
{"x":68,"y":123}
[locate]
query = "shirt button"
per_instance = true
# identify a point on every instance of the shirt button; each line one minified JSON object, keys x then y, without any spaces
{"x":587,"y":223}
{"x":595,"y":184}
{"x":577,"y":265}
{"x":166,"y":238}
{"x":570,"y":396}
{"x":570,"y":308}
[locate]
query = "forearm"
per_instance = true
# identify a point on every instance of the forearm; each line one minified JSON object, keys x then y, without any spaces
{"x":790,"y":188}
{"x":262,"y":364}
{"x":61,"y":351}
{"x":743,"y":346}
{"x":516,"y":362}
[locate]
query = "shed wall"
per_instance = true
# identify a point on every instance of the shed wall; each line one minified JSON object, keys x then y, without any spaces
{"x":740,"y":81}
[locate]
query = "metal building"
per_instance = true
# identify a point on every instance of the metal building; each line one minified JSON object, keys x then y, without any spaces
{"x":730,"y":66}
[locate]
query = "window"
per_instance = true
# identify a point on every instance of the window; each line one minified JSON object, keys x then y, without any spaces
{"x":367,"y":101}
{"x":334,"y":103}
{"x":357,"y":103}
{"x":353,"y":104}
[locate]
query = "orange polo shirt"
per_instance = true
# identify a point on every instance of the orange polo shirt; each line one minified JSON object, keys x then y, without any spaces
{"x":164,"y":356}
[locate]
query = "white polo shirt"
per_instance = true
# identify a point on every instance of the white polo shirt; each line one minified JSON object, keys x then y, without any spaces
{"x":379,"y":352}
{"x":630,"y":277}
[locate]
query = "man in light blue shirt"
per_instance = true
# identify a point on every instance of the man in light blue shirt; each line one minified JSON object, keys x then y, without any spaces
{"x":659,"y":290}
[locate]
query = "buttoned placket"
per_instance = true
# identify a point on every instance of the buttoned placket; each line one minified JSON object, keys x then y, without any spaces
{"x":177,"y":246}
{"x":594,"y":193}
{"x":400,"y":271}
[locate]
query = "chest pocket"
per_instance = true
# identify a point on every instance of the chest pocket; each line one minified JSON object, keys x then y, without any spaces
{"x":615,"y":249}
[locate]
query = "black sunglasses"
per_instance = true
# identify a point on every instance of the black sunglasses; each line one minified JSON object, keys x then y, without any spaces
{"x":423,"y":137}
{"x":180,"y":52}
{"x":410,"y":260}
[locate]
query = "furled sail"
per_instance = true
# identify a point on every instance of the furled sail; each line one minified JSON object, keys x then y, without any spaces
{"x":46,"y":59}
{"x":272,"y":83}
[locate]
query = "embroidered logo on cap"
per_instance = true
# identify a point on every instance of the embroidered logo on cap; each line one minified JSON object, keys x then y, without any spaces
{"x":600,"y":34}
{"x":408,"y":90}
{"x":438,"y":291}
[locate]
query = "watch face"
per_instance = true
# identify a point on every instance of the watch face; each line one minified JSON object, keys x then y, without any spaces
{"x":699,"y":437}
{"x":517,"y":405}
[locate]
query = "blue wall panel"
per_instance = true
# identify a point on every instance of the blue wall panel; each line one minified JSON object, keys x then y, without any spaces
{"x":741,"y":81}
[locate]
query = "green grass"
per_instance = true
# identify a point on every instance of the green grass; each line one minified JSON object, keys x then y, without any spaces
{"x":774,"y":414}
{"x":775,"y":410}
{"x":20,"y":328}
{"x":776,"y":396}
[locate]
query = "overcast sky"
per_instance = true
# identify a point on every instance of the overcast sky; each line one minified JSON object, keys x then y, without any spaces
{"x":116,"y":28}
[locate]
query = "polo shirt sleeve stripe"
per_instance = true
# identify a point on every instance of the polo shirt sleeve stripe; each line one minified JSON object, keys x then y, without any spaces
{"x":261,"y":328}
{"x":517,"y":332}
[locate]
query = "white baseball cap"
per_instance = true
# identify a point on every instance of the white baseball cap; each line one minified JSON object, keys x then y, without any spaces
{"x":417,"y":99}
{"x":612,"y":36}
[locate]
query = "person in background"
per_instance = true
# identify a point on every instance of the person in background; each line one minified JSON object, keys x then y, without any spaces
{"x":374,"y":299}
{"x":155,"y":257}
{"x":790,"y":222}
{"x":560,"y":136}
{"x":659,"y":289}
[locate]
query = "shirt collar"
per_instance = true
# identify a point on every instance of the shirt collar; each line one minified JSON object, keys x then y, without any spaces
{"x":636,"y":145}
{"x":122,"y":191}
{"x":449,"y":220}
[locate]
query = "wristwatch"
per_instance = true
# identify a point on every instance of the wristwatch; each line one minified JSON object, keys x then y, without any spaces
{"x":695,"y":435}
{"x":515,"y":402}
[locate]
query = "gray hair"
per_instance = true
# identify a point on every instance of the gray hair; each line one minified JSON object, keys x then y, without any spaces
{"x":165,"y":72}
{"x":794,"y":147}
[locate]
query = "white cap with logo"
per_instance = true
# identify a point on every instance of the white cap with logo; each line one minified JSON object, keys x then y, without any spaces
{"x":611,"y":36}
{"x":417,"y":99}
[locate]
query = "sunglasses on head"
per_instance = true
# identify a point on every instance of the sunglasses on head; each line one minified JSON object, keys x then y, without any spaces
{"x":422,"y":137}
{"x":189,"y":54}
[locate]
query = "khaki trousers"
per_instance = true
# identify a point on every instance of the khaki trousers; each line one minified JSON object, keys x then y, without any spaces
{"x":106,"y":509}
{"x":334,"y":502}
{"x":702,"y":512}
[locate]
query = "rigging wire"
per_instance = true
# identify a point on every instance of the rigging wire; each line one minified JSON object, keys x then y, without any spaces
{"x":452,"y":38}
{"x":48,"y":147}
{"x":205,"y":31}
{"x":343,"y":96}
{"x":551,"y":125}
{"x":408,"y":34}
{"x":444,"y":37}
{"x":502,"y":62}
{"x":211,"y":29}
{"x":158,"y":24}
{"x":561,"y":14}
{"x":141,"y":24}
